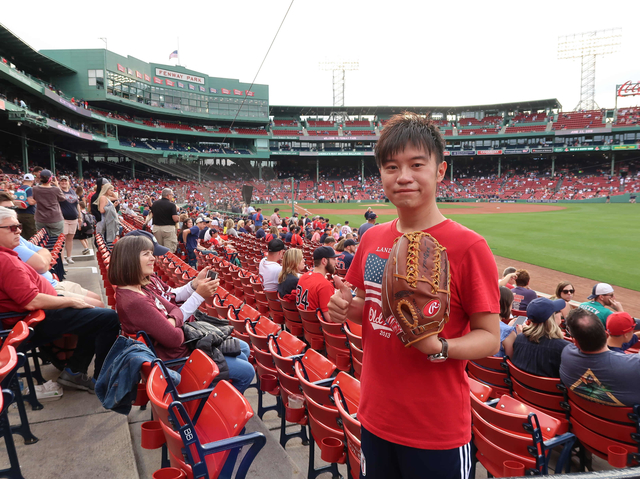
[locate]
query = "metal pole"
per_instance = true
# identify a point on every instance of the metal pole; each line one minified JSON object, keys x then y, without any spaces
{"x":317,"y":171}
{"x":260,"y":170}
{"x":199,"y":172}
{"x":452,"y":170}
{"x":499,"y":167}
{"x":613,"y":162}
{"x":293,"y":207}
{"x":52,"y":158}
{"x":79,"y":158}
{"x":362,"y":170}
{"x":133,"y":168}
{"x":553,"y":166}
{"x":25,"y":154}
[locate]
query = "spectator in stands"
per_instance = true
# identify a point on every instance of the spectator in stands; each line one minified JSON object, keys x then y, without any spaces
{"x":259,"y":218}
{"x":189,"y":235}
{"x":522,"y":295}
{"x":165,"y":217}
{"x":269,"y":269}
{"x":327,"y":232}
{"x":40,"y":259}
{"x":241,"y":228}
{"x":508,"y":277}
{"x":371,"y":222}
{"x":329,"y":241}
{"x":346,"y":229}
{"x":275,"y":217}
{"x":564,"y":290}
{"x":288,"y":234}
{"x":315,"y":237}
{"x":27,"y":208}
{"x":260,"y":232}
{"x":343,"y":261}
{"x":48,"y":197}
{"x":314,"y":289}
{"x":591,"y":370}
{"x":508,"y":332}
{"x":229,"y":229}
{"x":537,"y":350}
{"x":292,"y":266}
{"x":93,"y":197}
{"x":147,"y":304}
{"x":72,"y":215}
{"x":22,"y":290}
{"x":86,"y":227}
{"x":601,"y":299}
{"x":367,"y":213}
{"x":109,"y":225}
{"x":296,"y":239}
{"x":620,"y":327}
{"x":273,"y":233}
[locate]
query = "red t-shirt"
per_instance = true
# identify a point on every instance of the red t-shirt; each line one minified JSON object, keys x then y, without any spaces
{"x":296,"y":240}
{"x":19,"y":285}
{"x":313,"y":291}
{"x":405,"y":398}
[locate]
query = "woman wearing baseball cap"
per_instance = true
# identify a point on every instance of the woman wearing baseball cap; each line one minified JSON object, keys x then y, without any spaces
{"x":538,"y":349}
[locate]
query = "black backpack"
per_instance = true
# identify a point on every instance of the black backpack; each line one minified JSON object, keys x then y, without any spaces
{"x":88,"y":224}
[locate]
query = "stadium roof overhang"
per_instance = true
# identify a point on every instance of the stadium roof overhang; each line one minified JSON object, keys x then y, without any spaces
{"x":17,"y":51}
{"x":276,"y":110}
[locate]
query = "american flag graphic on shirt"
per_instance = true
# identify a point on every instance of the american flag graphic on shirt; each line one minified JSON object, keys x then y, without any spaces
{"x":373,"y":270}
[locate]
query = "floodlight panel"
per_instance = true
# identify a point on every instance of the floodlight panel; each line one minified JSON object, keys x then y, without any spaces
{"x":599,"y":42}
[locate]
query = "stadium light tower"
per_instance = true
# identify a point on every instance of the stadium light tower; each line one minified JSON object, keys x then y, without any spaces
{"x":587,"y":46}
{"x":338,"y":68}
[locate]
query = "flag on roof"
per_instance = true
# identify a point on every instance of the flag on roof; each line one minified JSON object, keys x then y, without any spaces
{"x":174,"y":54}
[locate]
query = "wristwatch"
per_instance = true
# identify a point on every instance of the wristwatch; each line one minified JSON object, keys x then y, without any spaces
{"x":442,"y":355}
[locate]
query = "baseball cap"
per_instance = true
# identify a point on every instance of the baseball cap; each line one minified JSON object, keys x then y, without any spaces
{"x":600,"y":288}
{"x":46,"y":174}
{"x":620,"y":323}
{"x":199,"y":220}
{"x":541,"y":309}
{"x":158,"y":249}
{"x":29,"y":177}
{"x":64,"y":177}
{"x":324,"y":252}
{"x":372,"y":216}
{"x":350,"y":242}
{"x":276,"y":245}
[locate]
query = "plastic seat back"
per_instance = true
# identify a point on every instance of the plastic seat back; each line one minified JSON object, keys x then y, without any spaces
{"x":19,"y":333}
{"x":198,"y":372}
{"x":491,"y":377}
{"x":354,"y":333}
{"x":8,"y":363}
{"x":311,"y":368}
{"x":480,"y":390}
{"x":541,"y":392}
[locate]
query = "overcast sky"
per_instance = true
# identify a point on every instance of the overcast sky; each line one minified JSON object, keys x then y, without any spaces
{"x":409,"y":52}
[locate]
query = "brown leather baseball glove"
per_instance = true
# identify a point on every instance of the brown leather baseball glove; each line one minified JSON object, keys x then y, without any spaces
{"x":415,"y":287}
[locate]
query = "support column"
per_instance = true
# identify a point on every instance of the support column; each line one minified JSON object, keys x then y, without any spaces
{"x":25,"y":154}
{"x":52,"y":159}
{"x":199,"y":172}
{"x":317,"y":170}
{"x":293,"y":207}
{"x":553,"y":166}
{"x":613,"y":163}
{"x":499,"y":167}
{"x":362,"y":170}
{"x":133,"y":168}
{"x":79,"y":158}
{"x":451,"y":172}
{"x":260,"y":170}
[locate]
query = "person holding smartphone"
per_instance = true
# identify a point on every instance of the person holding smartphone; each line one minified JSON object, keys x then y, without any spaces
{"x":48,"y":197}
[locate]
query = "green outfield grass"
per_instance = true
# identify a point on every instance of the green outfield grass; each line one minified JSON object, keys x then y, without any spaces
{"x":592,"y":240}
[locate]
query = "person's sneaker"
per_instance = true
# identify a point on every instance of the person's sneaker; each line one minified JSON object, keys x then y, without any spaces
{"x":77,"y":381}
{"x":70,"y":261}
{"x":86,"y":251}
{"x":64,"y":260}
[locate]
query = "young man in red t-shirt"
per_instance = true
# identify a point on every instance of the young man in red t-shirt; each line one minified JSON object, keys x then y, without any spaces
{"x":314,"y":290}
{"x":415,"y":407}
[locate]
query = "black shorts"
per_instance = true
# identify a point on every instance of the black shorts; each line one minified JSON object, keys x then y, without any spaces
{"x":381,"y":459}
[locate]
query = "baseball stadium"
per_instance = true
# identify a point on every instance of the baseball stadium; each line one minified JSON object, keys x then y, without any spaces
{"x":552,"y":191}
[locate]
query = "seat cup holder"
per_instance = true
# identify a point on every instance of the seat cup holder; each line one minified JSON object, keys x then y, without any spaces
{"x":513,"y":469}
{"x":151,"y":436}
{"x":169,"y":473}
{"x":332,"y":449}
{"x":317,"y":343}
{"x":343,"y":361}
{"x":294,"y":409}
{"x":617,"y":456}
{"x":268,"y":382}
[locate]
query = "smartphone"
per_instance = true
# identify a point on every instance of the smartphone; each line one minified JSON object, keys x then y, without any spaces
{"x":212,"y":274}
{"x":520,"y":321}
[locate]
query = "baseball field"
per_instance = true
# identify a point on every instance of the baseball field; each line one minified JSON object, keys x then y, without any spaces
{"x":593,"y":241}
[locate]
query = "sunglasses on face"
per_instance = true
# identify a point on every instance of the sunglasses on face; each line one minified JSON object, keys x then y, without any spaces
{"x":13,"y":228}
{"x":568,"y":291}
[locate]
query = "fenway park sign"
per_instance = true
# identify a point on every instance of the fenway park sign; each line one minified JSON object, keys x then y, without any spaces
{"x":628,"y":89}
